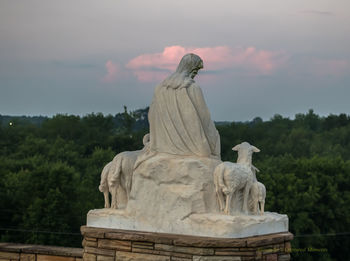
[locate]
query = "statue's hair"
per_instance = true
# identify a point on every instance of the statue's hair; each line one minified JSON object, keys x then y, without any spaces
{"x":181,"y":77}
{"x":189,"y":62}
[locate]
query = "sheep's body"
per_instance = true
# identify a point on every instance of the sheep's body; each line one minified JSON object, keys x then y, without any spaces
{"x":228,"y":179}
{"x":118,"y":174}
{"x":257,"y":198}
{"x":104,"y":187}
{"x":121,"y":175}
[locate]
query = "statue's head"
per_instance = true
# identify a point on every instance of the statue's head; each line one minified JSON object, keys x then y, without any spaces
{"x":189,"y":65}
{"x":187,"y":69}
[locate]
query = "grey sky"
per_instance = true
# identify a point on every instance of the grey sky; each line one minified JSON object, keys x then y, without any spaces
{"x":76,"y":57}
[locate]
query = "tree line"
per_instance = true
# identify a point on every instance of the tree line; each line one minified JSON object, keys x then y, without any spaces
{"x":50,"y":171}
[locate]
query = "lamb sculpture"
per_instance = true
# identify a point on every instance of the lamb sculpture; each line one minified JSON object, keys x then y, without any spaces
{"x":257,"y":198}
{"x":230,"y":178}
{"x":105,"y":175}
{"x":117,"y":174}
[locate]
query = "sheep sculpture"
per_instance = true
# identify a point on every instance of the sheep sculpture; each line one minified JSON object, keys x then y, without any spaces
{"x":230,"y":178}
{"x":104,"y":188}
{"x":117,"y":175}
{"x":257,"y":198}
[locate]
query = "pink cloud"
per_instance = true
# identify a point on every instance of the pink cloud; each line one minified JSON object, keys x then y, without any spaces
{"x":112,"y":72}
{"x":152,"y":67}
{"x":167,"y":60}
{"x":257,"y":62}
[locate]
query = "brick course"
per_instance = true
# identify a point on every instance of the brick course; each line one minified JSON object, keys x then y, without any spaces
{"x":126,"y":245}
{"x":22,"y":252}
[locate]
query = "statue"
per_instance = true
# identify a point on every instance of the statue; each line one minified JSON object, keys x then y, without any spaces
{"x":257,"y":198}
{"x":179,"y":119}
{"x":232,"y":178}
{"x":177,"y":183}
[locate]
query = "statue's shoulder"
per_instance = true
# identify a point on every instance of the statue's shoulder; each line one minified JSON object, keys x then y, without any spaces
{"x":194,"y":89}
{"x":195,"y":85}
{"x":158,"y":87}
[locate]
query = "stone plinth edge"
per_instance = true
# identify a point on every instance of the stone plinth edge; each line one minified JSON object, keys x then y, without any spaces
{"x":12,"y":251}
{"x":118,"y":244}
{"x":202,"y":225}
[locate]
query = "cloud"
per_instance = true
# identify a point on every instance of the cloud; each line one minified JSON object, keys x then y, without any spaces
{"x":258,"y":61}
{"x":316,"y":12}
{"x":112,"y":72}
{"x":154,"y":67}
{"x":167,"y":60}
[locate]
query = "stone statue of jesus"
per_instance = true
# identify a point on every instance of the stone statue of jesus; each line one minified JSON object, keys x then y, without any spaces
{"x":179,"y":118}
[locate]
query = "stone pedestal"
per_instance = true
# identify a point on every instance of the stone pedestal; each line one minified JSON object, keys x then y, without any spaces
{"x":121,"y":245}
{"x":174,"y":194}
{"x":207,"y":225}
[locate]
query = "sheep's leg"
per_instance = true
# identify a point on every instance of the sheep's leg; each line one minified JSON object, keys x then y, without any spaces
{"x":106,"y":196}
{"x":128,"y":184}
{"x":221,"y":201}
{"x":256,"y":207}
{"x":114,"y":197}
{"x":220,"y":198}
{"x":262,"y":207}
{"x":228,"y":203}
{"x":219,"y":186}
{"x":114,"y":180}
{"x":127,"y":196}
{"x":245,"y":199}
{"x":127,"y":191}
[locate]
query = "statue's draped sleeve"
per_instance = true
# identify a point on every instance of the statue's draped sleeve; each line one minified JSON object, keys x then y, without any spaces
{"x":180,"y":123}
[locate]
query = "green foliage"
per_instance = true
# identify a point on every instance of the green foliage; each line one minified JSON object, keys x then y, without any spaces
{"x":304,"y":165}
{"x":49,"y":173}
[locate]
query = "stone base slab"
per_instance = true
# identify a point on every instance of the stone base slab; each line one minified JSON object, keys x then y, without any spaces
{"x":122,"y":245}
{"x":213,"y":225}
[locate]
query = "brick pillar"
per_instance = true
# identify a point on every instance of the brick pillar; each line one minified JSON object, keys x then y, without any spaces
{"x":121,"y":245}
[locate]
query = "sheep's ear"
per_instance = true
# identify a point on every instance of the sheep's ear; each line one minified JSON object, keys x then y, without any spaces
{"x":236,"y":148}
{"x":255,"y":149}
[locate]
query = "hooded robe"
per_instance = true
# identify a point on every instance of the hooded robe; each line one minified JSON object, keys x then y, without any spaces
{"x":179,"y":118}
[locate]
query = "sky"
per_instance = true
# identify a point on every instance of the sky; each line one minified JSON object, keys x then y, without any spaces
{"x":261,"y":57}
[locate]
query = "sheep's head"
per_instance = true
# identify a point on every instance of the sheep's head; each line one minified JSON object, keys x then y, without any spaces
{"x":245,"y":153}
